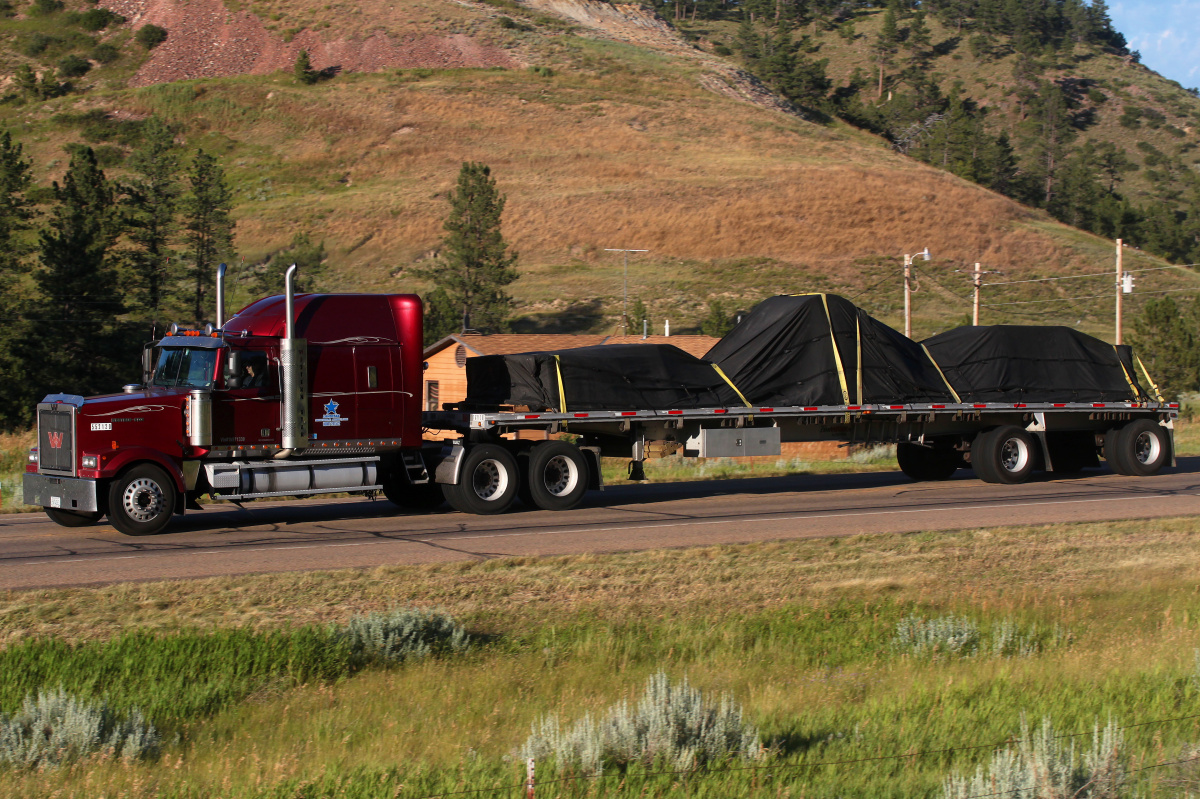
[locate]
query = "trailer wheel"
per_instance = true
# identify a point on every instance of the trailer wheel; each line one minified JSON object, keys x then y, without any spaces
{"x":923,"y":463}
{"x":73,"y":518}
{"x":558,"y":475}
{"x":1004,"y":454}
{"x":488,"y":482}
{"x":141,"y":501}
{"x":1139,"y":448}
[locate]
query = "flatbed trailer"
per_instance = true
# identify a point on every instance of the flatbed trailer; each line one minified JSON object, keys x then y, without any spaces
{"x":483,"y":466}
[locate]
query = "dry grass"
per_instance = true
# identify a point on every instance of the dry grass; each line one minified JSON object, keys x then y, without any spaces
{"x":1002,"y":567}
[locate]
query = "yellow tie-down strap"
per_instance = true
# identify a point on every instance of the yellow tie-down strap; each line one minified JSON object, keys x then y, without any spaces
{"x":953,"y":393}
{"x":562,"y":393}
{"x":1157,"y":394}
{"x":837,"y":356}
{"x":1137,"y":395}
{"x":725,"y":377}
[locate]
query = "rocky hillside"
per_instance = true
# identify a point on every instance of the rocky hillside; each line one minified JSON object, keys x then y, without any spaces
{"x":603,"y":124}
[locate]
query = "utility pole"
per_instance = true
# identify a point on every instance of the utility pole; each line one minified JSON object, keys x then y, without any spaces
{"x":625,"y":307}
{"x":978,"y":283}
{"x":1120,"y":269}
{"x":908,"y":261}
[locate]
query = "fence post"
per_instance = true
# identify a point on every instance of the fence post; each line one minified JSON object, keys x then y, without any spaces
{"x":529,"y":779}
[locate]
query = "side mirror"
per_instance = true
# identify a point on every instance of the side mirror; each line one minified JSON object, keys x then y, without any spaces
{"x":147,"y":363}
{"x":233,"y":369}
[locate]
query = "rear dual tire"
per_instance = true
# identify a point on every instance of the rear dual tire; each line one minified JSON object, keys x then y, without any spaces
{"x":1004,"y":454}
{"x":487,"y":482}
{"x":1140,"y":448}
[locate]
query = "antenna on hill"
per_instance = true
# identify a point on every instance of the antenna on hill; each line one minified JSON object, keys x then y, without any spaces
{"x":625,"y":308}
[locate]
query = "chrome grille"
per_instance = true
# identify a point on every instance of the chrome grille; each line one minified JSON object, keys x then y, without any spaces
{"x":56,"y":439}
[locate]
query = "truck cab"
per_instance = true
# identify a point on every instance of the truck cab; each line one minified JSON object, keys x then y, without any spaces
{"x":294,"y":395}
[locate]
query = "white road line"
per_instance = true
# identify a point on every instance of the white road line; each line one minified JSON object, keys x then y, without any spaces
{"x":658,"y":526}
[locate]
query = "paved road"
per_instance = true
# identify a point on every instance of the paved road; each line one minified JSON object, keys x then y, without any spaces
{"x":326,"y":534}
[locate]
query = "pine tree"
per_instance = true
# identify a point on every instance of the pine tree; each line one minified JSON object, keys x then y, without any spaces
{"x":1162,"y":335}
{"x":79,"y":341}
{"x":15,"y":214}
{"x":886,"y":44}
{"x":718,"y":322}
{"x":303,"y":70}
{"x":209,"y":228}
{"x":152,"y":198}
{"x":475,"y":265}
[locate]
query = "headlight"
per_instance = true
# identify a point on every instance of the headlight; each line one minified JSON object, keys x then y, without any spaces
{"x":89,"y":462}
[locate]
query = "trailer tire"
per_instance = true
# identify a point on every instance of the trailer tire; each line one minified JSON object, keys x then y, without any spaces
{"x":73,"y":518}
{"x":923,"y":463}
{"x":1005,"y":454}
{"x":558,"y":475}
{"x":141,"y":500}
{"x":1140,"y":448}
{"x":487,"y":483}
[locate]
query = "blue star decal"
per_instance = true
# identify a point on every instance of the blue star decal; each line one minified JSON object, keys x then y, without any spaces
{"x":331,"y":408}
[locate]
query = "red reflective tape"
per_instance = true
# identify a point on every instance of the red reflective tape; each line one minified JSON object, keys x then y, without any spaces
{"x":766,"y":410}
{"x":720,"y":410}
{"x":896,"y":407}
{"x":1060,"y":405}
{"x":939,"y":406}
{"x":812,"y":409}
{"x":981,"y":405}
{"x":527,"y":416}
{"x":629,"y":413}
{"x":1097,"y":404}
{"x":581,"y":416}
{"x":1018,"y":405}
{"x":675,"y":413}
{"x":853,"y":407}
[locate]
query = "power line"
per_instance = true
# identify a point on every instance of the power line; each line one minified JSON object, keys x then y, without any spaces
{"x":1035,"y":302}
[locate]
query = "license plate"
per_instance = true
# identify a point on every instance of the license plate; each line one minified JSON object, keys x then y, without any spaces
{"x":56,"y":502}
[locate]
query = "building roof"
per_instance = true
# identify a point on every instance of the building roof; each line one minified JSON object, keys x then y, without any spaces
{"x":693,"y":345}
{"x":509,"y":343}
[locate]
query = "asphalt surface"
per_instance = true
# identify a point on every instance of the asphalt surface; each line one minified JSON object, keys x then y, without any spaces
{"x":358,"y":533}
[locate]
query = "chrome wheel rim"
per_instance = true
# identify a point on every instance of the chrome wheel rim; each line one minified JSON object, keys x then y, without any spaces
{"x":1014,"y":455}
{"x":490,"y":480}
{"x":1146,"y":448}
{"x":143,"y":499}
{"x":560,"y":476}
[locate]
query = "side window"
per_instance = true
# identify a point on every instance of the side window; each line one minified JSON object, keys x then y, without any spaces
{"x":256,"y":372}
{"x":431,"y":395}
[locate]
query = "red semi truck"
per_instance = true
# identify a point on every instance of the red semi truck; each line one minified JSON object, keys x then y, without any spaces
{"x":300,"y":395}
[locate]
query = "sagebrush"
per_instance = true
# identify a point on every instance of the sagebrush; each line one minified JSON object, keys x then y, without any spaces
{"x":672,"y":726}
{"x":404,"y":634}
{"x":55,"y":727}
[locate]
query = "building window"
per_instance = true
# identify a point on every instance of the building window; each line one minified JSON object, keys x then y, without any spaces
{"x":431,"y":395}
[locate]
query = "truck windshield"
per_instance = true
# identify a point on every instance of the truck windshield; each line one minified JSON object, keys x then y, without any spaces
{"x":193,"y":368}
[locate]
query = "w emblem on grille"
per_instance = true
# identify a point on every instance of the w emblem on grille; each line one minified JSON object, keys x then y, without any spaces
{"x":56,"y":440}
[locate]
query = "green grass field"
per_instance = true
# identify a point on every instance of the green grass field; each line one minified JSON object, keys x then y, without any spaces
{"x":801,"y":633}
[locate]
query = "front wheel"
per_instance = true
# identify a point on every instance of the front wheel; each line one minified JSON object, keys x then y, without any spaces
{"x":487,"y":483}
{"x":141,"y":501}
{"x":73,"y":518}
{"x":558,"y":475}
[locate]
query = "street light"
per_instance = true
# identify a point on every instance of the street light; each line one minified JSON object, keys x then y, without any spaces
{"x":625,"y":309}
{"x":908,"y":261}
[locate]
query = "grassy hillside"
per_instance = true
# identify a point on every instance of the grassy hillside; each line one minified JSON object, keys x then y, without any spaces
{"x":604,"y":144}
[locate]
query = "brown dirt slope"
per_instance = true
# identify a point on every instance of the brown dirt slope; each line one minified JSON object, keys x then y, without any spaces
{"x":207,"y":40}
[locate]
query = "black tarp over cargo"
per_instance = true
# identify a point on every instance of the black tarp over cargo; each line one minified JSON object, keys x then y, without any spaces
{"x":609,"y":377}
{"x":1019,"y":363}
{"x":806,"y":350}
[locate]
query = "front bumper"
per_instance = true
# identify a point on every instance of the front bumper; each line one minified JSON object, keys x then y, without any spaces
{"x":67,"y":493}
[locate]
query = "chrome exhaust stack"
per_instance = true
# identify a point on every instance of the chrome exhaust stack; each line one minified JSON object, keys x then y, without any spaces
{"x":293,"y":367}
{"x":221,"y":296}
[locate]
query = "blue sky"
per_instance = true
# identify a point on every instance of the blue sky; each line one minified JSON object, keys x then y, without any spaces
{"x":1165,"y":32}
